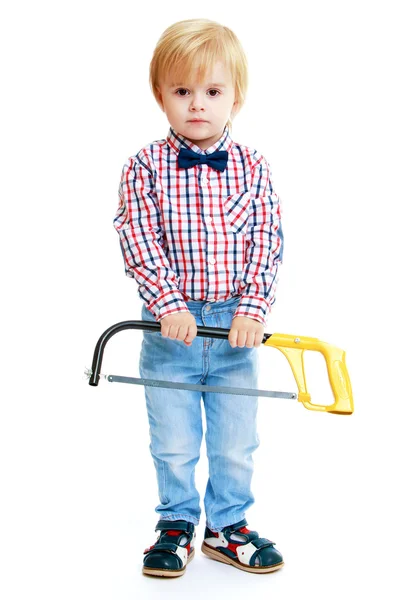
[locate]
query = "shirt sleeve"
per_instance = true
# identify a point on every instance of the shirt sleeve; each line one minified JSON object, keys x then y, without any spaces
{"x":139,"y":225}
{"x":264,"y":247}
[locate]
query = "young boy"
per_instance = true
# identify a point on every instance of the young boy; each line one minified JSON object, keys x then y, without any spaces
{"x":200,"y":231}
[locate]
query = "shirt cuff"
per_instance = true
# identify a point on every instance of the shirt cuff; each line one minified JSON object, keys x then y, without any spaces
{"x":253,"y":307}
{"x":167,"y":304}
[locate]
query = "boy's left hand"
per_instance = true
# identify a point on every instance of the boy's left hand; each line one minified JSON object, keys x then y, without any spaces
{"x":245,"y":332}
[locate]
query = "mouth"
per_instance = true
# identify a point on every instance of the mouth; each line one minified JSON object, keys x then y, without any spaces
{"x":197,"y":121}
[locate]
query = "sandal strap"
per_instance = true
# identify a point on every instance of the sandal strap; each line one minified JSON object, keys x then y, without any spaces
{"x":236,"y":526}
{"x":262,"y":543}
{"x":164,"y":525}
{"x":167,"y":546}
{"x":250,"y":536}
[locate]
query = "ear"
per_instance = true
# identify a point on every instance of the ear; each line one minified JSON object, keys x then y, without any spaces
{"x":234,"y":110}
{"x":159,"y":98}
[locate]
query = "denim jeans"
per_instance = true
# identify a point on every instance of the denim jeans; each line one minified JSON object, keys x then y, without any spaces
{"x":175,"y":419}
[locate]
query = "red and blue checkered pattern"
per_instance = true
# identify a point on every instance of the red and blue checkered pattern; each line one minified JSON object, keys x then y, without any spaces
{"x":198,"y":233}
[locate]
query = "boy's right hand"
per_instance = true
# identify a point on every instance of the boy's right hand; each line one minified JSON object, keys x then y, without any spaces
{"x":179,"y":326}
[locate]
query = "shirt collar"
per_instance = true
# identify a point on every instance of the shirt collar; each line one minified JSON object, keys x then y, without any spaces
{"x":178,"y":141}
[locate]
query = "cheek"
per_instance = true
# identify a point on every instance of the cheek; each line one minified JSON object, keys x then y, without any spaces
{"x":175,"y":106}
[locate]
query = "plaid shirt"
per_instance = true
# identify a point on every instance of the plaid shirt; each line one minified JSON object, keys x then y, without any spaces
{"x":199,"y":233}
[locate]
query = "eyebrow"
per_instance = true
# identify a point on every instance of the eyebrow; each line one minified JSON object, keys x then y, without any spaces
{"x":209,"y":85}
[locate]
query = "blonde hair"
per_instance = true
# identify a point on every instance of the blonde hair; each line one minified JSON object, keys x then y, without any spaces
{"x":201,"y":42}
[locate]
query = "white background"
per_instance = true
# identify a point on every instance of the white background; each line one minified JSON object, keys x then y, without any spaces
{"x":78,"y":482}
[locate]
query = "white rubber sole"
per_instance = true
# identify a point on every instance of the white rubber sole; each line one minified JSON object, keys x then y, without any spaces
{"x":216,"y":555}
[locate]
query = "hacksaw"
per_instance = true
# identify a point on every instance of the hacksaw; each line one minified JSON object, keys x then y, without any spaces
{"x":293,"y":348}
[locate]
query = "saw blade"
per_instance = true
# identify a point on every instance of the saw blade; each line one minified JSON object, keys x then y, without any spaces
{"x":201,"y":388}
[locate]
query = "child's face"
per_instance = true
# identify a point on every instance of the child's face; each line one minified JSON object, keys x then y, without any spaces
{"x":214,"y":104}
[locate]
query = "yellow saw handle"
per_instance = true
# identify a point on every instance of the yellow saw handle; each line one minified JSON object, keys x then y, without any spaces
{"x":293,"y":348}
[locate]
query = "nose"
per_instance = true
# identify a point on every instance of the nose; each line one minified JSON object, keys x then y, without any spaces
{"x":196,"y":103}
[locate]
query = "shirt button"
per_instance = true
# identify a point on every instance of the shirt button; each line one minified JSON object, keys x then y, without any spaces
{"x":204,"y":180}
{"x":208,"y":219}
{"x":212,"y":261}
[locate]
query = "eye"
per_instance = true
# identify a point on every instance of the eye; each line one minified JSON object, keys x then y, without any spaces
{"x":213,"y":92}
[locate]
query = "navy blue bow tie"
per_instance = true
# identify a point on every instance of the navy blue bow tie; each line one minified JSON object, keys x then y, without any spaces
{"x":217,"y":160}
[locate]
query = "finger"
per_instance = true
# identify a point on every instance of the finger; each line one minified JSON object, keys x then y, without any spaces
{"x":241,"y":339}
{"x":192,"y":331}
{"x":182,"y":332}
{"x":258,"y":339}
{"x":232,"y":337}
{"x":173,"y":332}
{"x":250,"y":339}
{"x":191,"y":334}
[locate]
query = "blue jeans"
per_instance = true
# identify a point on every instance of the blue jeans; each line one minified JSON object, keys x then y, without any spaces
{"x":175,"y":419}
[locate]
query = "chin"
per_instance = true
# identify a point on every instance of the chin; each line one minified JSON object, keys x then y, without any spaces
{"x":197,"y":131}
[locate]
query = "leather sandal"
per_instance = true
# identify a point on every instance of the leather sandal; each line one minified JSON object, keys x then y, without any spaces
{"x":238,"y":546}
{"x":172,"y":551}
